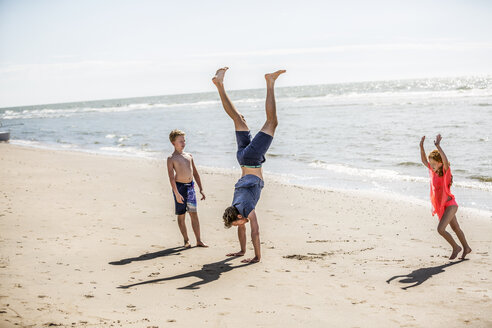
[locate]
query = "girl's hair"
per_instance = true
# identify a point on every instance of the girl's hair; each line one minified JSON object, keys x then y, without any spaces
{"x":435,"y":155}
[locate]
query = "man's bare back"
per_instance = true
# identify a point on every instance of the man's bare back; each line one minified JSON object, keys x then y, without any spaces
{"x":182,"y":164}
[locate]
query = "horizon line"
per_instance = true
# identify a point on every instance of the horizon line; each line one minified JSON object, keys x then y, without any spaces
{"x":485,"y":75}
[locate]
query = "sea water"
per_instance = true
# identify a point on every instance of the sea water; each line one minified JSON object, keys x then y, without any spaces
{"x":355,"y":136}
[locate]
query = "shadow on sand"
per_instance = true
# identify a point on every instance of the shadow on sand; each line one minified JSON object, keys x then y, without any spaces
{"x":150,"y":256}
{"x":419,"y":276}
{"x":208,"y":273}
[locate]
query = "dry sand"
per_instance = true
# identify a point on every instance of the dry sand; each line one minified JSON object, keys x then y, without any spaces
{"x":75,"y":227}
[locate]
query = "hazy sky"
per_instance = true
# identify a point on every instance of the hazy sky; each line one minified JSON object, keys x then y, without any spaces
{"x":59,"y":51}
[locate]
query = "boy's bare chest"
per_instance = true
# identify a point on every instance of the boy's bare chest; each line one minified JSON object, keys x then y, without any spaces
{"x":182,"y":161}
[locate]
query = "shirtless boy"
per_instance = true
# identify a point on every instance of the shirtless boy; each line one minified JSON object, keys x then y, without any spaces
{"x":250,"y":155}
{"x":181,"y":169}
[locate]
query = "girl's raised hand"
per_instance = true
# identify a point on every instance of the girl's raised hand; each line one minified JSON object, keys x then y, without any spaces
{"x":438,"y":140}
{"x":422,"y":141}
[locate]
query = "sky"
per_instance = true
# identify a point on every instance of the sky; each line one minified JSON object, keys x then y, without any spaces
{"x":61,"y":51}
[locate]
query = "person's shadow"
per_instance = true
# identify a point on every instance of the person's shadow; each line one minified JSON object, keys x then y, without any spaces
{"x":208,"y":273}
{"x":419,"y":276}
{"x":150,"y":256}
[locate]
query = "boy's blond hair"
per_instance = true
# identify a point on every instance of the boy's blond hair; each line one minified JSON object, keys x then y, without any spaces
{"x":175,"y":133}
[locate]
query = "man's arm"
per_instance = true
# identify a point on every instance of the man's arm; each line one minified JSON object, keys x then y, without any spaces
{"x":445,"y":163}
{"x":172,"y":180}
{"x":423,"y":156}
{"x":255,"y":235}
{"x":196,"y":176}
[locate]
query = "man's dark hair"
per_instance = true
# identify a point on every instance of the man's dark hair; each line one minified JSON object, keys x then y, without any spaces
{"x":230,"y":215}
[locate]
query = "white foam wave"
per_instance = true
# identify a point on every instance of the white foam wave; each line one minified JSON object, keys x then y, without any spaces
{"x":129,"y":151}
{"x":391,"y":175}
{"x":368,"y":173}
{"x":394,"y":97}
{"x":69,"y":112}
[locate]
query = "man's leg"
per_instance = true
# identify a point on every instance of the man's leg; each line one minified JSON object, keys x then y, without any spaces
{"x":270,"y":107}
{"x":218,"y":80}
{"x":195,"y":224}
{"x":182,"y":228}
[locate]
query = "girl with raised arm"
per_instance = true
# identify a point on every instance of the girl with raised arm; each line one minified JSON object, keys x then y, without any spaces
{"x":443,"y":201}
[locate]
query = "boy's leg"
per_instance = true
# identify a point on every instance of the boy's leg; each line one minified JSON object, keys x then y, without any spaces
{"x":182,"y":228}
{"x":441,"y":229}
{"x":218,"y":80}
{"x":241,"y":235}
{"x":195,"y":224}
{"x":461,"y":236}
{"x":270,"y":107}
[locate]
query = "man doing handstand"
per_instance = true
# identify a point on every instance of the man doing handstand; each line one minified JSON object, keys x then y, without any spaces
{"x":250,"y":155}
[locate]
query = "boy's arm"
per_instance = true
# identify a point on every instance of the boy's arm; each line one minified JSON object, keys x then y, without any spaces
{"x":445,"y":163}
{"x":196,"y":176}
{"x":172,"y":180}
{"x":423,"y":157}
{"x":255,"y":234}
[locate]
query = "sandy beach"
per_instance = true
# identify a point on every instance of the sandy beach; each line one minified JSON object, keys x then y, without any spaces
{"x":78,"y":231}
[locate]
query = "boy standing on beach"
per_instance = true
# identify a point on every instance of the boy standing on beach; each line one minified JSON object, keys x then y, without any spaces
{"x":181,"y":169}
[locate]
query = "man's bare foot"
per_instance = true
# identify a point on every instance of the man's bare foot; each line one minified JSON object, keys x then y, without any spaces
{"x":235,"y":254}
{"x":271,"y":77}
{"x":200,"y":244}
{"x":187,"y":244}
{"x":218,"y":79}
{"x":466,"y":251}
{"x":455,"y":253}
{"x":253,"y":260}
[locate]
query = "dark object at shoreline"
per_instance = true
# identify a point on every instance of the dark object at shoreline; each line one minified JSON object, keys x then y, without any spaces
{"x":4,"y":136}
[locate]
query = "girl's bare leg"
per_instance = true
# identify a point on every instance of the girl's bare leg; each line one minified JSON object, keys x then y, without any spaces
{"x":441,"y":229}
{"x":461,"y":236}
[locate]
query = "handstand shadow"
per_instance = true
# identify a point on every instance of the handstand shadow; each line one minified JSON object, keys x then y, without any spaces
{"x":208,"y":273}
{"x":150,"y":256}
{"x":419,"y":276}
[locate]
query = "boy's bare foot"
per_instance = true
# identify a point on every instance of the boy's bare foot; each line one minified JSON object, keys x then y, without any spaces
{"x":466,"y":251}
{"x":218,"y":79}
{"x":200,"y":244}
{"x":455,"y":253}
{"x":187,"y":244}
{"x":235,"y":254}
{"x":253,"y":260}
{"x":271,"y":77}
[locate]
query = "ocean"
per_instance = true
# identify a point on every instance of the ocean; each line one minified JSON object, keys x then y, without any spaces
{"x":350,"y":136}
